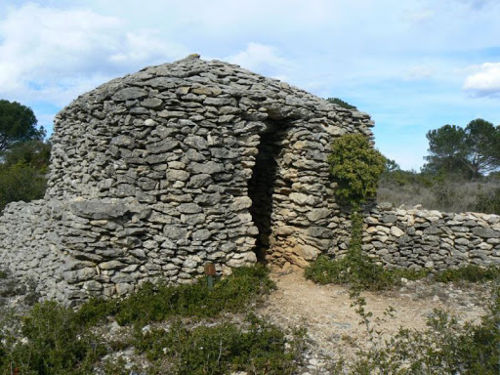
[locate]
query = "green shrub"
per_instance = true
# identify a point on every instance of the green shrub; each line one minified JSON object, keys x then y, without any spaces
{"x":341,"y":103}
{"x":34,"y":153}
{"x":355,"y":268}
{"x":161,"y":301}
{"x":488,"y":202}
{"x":469,"y":273}
{"x":58,"y":340}
{"x":20,"y":182}
{"x":356,"y":167}
{"x":260,"y":348}
{"x":54,"y":344}
{"x":232,"y":294}
{"x":354,"y":271}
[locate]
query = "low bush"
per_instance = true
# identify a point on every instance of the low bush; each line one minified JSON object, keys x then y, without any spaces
{"x":355,"y":268}
{"x":357,"y":271}
{"x":223,"y":348}
{"x":470,"y":273}
{"x":161,"y":301}
{"x":488,"y":201}
{"x":361,"y":272}
{"x":20,"y":182}
{"x":54,"y":343}
{"x":53,"y":339}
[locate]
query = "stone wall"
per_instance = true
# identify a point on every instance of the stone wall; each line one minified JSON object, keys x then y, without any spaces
{"x":417,"y":238}
{"x":157,"y":173}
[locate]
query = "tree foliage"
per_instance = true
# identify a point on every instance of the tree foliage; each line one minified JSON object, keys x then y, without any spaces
{"x":21,"y":182}
{"x":356,"y":167}
{"x":341,"y":103}
{"x":33,"y":153}
{"x":471,"y":152}
{"x":24,"y":156}
{"x":17,"y":124}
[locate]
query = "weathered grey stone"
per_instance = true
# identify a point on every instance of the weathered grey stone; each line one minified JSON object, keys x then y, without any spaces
{"x":197,"y":142}
{"x":97,"y":209}
{"x":129,"y":93}
{"x":175,"y":232}
{"x":151,"y":103}
{"x":111,"y":265}
{"x":389,"y":219}
{"x":210,"y":167}
{"x":160,"y":147}
{"x":199,"y":180}
{"x":177,"y":175}
{"x":189,"y":208}
{"x":318,"y":214}
{"x":201,"y":235}
{"x":241,"y":203}
{"x":486,"y":232}
{"x":79,"y":275}
{"x":123,"y":140}
{"x":301,"y":199}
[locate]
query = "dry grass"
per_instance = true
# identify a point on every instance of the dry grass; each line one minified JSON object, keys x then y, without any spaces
{"x":445,"y":194}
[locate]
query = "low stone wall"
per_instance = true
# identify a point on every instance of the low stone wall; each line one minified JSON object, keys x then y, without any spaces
{"x":27,"y":248}
{"x":417,"y":238}
{"x":35,"y":238}
{"x":72,"y":250}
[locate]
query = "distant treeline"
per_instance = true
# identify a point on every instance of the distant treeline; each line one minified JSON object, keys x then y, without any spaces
{"x":24,"y":155}
{"x":462,"y":172}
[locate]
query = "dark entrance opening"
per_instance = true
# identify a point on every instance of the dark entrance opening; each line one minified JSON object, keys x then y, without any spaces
{"x":262,"y":184}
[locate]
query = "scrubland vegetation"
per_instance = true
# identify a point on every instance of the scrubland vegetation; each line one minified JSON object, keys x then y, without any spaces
{"x":190,"y":329}
{"x":448,"y":192}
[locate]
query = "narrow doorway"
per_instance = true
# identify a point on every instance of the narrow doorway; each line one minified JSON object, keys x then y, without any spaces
{"x":262,"y":183}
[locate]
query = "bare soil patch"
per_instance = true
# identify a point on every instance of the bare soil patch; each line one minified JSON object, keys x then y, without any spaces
{"x":334,"y":327}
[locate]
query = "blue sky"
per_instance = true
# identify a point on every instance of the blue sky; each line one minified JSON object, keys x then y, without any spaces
{"x":412,"y":65}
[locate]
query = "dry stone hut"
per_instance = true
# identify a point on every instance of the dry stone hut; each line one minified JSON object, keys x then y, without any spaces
{"x":161,"y":171}
{"x":157,"y":173}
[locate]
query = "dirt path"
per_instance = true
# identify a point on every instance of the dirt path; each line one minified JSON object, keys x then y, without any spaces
{"x":333,"y":325}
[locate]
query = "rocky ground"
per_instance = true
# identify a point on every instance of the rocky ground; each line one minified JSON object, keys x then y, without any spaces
{"x":326,"y":311}
{"x":334,"y":327}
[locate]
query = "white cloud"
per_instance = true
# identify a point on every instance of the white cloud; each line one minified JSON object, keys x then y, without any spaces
{"x":263,"y":59}
{"x":56,"y":54}
{"x":485,"y":81}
